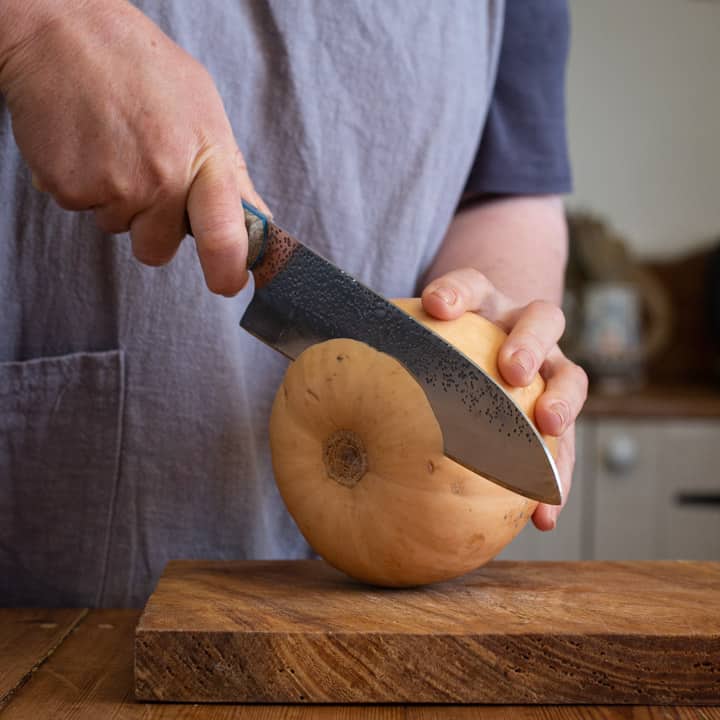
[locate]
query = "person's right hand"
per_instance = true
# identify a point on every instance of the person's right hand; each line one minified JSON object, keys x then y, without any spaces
{"x":112,"y":116}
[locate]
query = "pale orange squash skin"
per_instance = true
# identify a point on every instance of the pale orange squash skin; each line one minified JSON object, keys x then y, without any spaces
{"x":415,"y":516}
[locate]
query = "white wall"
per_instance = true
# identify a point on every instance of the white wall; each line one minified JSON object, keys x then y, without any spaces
{"x":644,"y":118}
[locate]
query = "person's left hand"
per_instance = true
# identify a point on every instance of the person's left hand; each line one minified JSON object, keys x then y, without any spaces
{"x":531,"y":347}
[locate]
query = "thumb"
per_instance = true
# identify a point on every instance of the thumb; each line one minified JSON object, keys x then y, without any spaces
{"x":214,"y":206}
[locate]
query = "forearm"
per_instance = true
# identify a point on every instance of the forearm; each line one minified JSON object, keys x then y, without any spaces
{"x":519,"y":244}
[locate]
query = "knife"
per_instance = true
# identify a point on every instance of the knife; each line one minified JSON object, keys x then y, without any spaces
{"x":301,"y":299}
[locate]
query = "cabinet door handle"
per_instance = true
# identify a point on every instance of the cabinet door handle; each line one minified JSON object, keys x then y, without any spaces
{"x":620,"y":455}
{"x":698,"y":498}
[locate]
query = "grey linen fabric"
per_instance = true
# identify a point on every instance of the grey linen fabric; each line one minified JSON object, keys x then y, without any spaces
{"x":133,"y":409}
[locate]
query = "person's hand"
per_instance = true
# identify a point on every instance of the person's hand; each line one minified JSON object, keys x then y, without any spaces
{"x":531,"y":347}
{"x":112,"y":116}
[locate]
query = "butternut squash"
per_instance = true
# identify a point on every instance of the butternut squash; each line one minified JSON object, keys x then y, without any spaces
{"x":358,"y":458}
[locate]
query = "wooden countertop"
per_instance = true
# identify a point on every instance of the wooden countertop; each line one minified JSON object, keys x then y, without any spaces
{"x":79,"y":664}
{"x":666,"y":402}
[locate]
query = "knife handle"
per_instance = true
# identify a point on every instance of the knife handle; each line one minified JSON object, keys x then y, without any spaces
{"x":257,"y":229}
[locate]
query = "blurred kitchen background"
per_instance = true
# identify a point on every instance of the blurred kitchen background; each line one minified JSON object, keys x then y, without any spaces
{"x":643,"y":299}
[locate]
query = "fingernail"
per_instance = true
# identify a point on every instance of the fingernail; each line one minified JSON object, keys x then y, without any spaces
{"x":558,"y":409}
{"x":446,"y":294}
{"x":524,"y":360}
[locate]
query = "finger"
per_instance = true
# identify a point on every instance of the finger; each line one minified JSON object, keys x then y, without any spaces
{"x":157,"y":232}
{"x":565,"y":393}
{"x":215,"y":210}
{"x":462,"y":290}
{"x":73,"y":193}
{"x":113,"y":218}
{"x":67,"y":197}
{"x":545,"y":516}
{"x":247,"y":187}
{"x":538,"y":328}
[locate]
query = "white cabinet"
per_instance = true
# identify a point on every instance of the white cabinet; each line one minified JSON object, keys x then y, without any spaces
{"x":691,"y":516}
{"x":642,"y":490}
{"x":626,"y":491}
{"x":666,"y":503}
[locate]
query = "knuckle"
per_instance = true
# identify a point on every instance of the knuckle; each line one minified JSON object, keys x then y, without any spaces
{"x":158,"y":178}
{"x":534,"y":343}
{"x":581,"y":378}
{"x":478,"y":279}
{"x":68,"y":197}
{"x":553,"y":313}
{"x":114,"y":188}
{"x":557,"y":316}
{"x":537,"y":305}
{"x":575,"y":381}
{"x":576,"y":372}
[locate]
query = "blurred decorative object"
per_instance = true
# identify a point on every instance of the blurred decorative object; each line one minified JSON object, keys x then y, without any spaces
{"x":619,"y":314}
{"x":611,"y":339}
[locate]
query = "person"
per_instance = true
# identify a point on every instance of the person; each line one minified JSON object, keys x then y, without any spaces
{"x":419,"y":146}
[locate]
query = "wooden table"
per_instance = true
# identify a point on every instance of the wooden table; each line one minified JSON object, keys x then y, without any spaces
{"x":59,"y":664}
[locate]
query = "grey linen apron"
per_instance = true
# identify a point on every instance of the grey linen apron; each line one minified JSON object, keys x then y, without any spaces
{"x":133,"y":409}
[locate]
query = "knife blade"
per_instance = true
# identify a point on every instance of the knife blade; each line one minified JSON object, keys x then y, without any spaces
{"x":301,"y":299}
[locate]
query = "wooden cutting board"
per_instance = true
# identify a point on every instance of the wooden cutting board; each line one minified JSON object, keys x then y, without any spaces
{"x":298,"y":631}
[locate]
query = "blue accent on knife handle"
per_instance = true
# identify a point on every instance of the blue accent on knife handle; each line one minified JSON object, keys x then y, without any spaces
{"x":257,"y":230}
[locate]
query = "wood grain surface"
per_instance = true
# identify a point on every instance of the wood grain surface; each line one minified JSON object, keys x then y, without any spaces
{"x":27,"y":638}
{"x":90,"y":678}
{"x":300,"y":632}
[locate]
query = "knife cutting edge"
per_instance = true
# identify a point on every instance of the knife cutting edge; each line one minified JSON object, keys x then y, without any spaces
{"x":301,"y":299}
